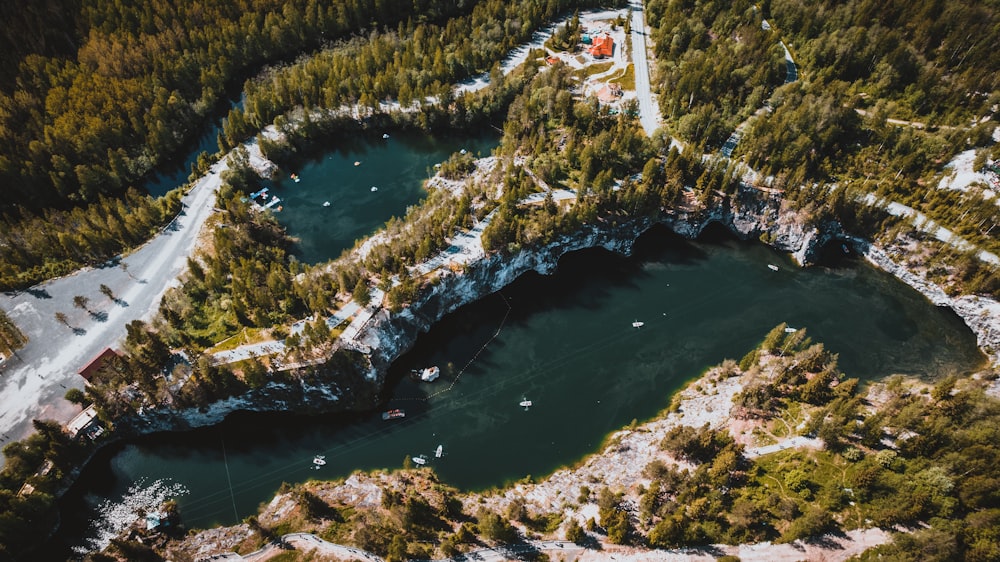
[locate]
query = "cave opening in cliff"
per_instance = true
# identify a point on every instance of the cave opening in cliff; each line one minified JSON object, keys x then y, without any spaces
{"x":837,"y":253}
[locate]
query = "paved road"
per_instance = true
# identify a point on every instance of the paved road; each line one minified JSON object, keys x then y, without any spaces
{"x":32,"y":385}
{"x":649,"y":114}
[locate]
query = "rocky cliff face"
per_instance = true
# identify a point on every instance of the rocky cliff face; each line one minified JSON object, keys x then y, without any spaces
{"x":980,"y":314}
{"x":388,"y":336}
{"x":339,"y":385}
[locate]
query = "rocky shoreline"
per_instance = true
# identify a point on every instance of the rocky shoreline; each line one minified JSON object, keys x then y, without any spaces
{"x":387,"y":335}
{"x":619,"y":465}
{"x":753,"y":216}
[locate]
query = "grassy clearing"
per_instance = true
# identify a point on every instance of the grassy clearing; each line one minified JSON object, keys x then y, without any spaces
{"x":246,"y":336}
{"x":626,"y":79}
{"x":592,"y":69}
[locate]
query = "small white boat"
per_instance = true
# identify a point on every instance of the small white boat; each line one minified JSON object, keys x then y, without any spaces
{"x":357,"y":162}
{"x":438,"y":452}
{"x":385,"y":136}
{"x":295,"y":178}
{"x":318,"y":461}
{"x":791,"y":330}
{"x":393,"y":414}
{"x":374,"y":188}
{"x":463,"y":151}
{"x":326,"y":203}
{"x":525,"y":403}
{"x":772,"y":267}
{"x":638,"y":324}
{"x":430,"y":374}
{"x":420,"y":460}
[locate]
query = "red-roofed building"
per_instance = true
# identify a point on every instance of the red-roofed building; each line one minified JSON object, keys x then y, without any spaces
{"x":603,"y":46}
{"x":97,"y":363}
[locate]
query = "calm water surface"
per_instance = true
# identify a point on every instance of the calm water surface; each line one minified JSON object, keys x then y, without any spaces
{"x":567,"y":344}
{"x":396,"y":167}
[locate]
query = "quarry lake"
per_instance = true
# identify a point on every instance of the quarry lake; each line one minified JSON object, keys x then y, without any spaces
{"x":566,"y":342}
{"x":356,"y":185}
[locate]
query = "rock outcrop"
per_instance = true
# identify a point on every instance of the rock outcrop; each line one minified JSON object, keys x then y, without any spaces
{"x":751,"y":215}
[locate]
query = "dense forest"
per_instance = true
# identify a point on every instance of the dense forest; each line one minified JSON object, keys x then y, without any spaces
{"x":75,"y":134}
{"x":90,"y":122}
{"x":929,"y":67}
{"x":98,"y":104}
{"x":56,"y":242}
{"x":416,"y":61}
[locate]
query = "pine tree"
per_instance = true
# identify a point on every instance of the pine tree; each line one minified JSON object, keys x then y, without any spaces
{"x":11,"y":338}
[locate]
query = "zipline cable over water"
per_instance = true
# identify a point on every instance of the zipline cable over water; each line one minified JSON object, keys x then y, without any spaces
{"x":609,"y":339}
{"x":229,"y":478}
{"x":471,"y":360}
{"x":262,"y":478}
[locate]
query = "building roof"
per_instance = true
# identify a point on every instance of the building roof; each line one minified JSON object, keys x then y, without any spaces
{"x":81,"y":421}
{"x":97,"y":363}
{"x":604,"y":46}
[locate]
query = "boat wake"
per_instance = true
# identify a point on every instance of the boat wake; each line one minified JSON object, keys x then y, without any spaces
{"x":113,"y":517}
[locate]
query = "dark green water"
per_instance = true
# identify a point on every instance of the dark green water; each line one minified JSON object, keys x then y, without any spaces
{"x":171,"y":176}
{"x":568,"y":345}
{"x":396,"y":166}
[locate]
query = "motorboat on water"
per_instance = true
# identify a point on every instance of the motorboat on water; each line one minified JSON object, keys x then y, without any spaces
{"x":772,"y":267}
{"x":430,"y":374}
{"x":385,"y":136}
{"x":374,"y":188}
{"x":525,"y":403}
{"x":420,"y":460}
{"x":393,"y":414}
{"x":326,"y":203}
{"x":439,"y":451}
{"x":295,"y":178}
{"x":638,"y":324}
{"x":318,"y":461}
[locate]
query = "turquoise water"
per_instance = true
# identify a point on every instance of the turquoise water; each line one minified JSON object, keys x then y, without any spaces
{"x":396,"y":167}
{"x":566,"y":342}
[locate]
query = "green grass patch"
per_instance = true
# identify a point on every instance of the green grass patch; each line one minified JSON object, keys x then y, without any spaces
{"x":592,"y":69}
{"x":245,"y":336}
{"x":626,"y":79}
{"x":785,"y":425}
{"x":816,"y":477}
